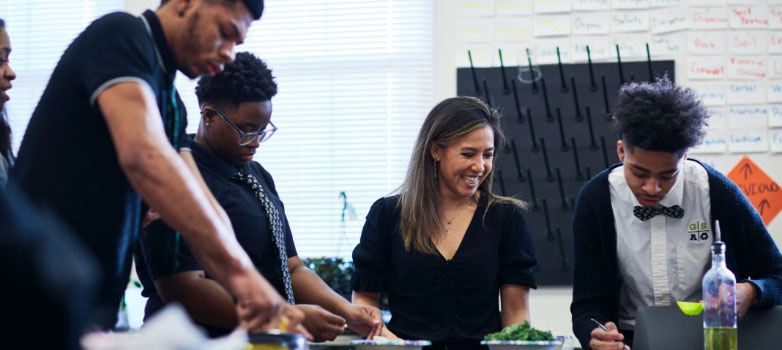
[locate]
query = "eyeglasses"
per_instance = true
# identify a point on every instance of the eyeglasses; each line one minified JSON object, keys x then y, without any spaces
{"x":246,"y":138}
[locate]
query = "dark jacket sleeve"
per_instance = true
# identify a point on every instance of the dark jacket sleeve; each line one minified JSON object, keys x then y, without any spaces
{"x":755,"y":257}
{"x":371,"y":255}
{"x":594,"y":276}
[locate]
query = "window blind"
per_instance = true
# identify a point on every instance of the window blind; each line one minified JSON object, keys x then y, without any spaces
{"x":355,"y":82}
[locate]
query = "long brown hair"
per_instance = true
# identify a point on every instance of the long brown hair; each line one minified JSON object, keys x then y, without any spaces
{"x":5,"y":128}
{"x":420,"y":195}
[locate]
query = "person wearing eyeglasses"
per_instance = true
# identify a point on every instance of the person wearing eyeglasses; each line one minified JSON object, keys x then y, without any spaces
{"x":236,"y":110}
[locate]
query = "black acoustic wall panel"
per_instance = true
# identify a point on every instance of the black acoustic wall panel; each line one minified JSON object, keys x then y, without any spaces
{"x":558,"y":136}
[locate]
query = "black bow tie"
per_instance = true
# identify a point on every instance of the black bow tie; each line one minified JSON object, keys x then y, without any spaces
{"x":646,"y":213}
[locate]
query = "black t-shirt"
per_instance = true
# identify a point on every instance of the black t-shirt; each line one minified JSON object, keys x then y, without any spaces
{"x":67,"y":160}
{"x":165,"y":253}
{"x":453,"y":302}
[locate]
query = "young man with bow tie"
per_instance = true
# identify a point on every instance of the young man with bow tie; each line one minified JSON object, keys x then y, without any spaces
{"x":642,"y":228}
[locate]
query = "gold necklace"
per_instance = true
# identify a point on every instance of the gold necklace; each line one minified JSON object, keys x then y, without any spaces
{"x":449,"y":222}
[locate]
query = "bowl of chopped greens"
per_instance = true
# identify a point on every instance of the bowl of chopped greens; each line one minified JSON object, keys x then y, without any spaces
{"x":523,"y":337}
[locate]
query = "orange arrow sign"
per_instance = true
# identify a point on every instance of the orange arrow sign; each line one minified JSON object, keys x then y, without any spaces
{"x":764,"y":194}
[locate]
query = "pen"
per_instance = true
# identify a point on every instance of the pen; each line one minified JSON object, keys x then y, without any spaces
{"x":604,"y":328}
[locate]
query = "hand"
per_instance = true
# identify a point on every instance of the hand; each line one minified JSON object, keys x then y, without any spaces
{"x":151,"y":216}
{"x":294,"y":313}
{"x":747,"y":294}
{"x":258,"y":305}
{"x":365,"y":320}
{"x":322,"y":324}
{"x":607,"y":340}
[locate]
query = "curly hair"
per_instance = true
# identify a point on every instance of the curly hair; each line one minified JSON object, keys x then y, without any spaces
{"x":247,"y":79}
{"x":659,"y":116}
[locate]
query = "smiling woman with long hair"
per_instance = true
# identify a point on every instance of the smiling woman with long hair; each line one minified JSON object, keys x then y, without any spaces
{"x":445,"y":246}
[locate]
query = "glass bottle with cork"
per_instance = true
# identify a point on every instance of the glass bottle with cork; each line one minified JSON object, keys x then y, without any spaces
{"x":719,"y":300}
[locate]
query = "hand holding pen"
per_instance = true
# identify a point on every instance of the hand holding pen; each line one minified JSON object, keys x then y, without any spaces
{"x":607,"y":337}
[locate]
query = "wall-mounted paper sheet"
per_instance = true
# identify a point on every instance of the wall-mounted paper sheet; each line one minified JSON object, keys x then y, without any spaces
{"x":664,"y":21}
{"x":705,"y":67}
{"x":591,"y":5}
{"x":747,"y":17}
{"x":552,"y":6}
{"x":512,"y":55}
{"x":746,"y":93}
{"x":672,"y":44}
{"x":630,"y":46}
{"x":552,"y":25}
{"x":482,"y":55}
{"x":718,"y":119}
{"x":472,"y":8}
{"x":775,"y":17}
{"x":710,"y":94}
{"x":715,"y":141}
{"x":591,"y":23}
{"x":775,"y":138}
{"x":598,"y":47}
{"x":747,"y":67}
{"x":514,"y":7}
{"x":775,"y":67}
{"x":666,"y":3}
{"x":476,"y":31}
{"x":706,"y":43}
{"x":747,"y":117}
{"x":629,"y":4}
{"x":546,"y":51}
{"x":629,"y":21}
{"x":774,"y":91}
{"x":775,"y":116}
{"x":707,"y":2}
{"x":517,"y":30}
{"x":775,"y":42}
{"x":745,"y":2}
{"x":748,"y":141}
{"x":747,"y":42}
{"x":709,"y":17}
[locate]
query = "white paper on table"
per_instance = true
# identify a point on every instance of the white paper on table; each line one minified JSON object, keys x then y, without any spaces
{"x":672,"y":44}
{"x":476,"y":31}
{"x":472,"y":8}
{"x":514,"y":7}
{"x":669,"y":20}
{"x":748,"y":141}
{"x":775,"y":67}
{"x":482,"y":55}
{"x":775,"y":116}
{"x":747,"y":42}
{"x":774,"y":91}
{"x":591,"y":5}
{"x":775,"y":42}
{"x":775,"y":139}
{"x":552,"y":6}
{"x":708,"y":17}
{"x":706,"y":43}
{"x":629,"y":21}
{"x":718,"y":119}
{"x":629,"y":4}
{"x":705,"y":67}
{"x":746,"y":67}
{"x":552,"y":25}
{"x":591,"y":23}
{"x":746,"y":93}
{"x":630,"y":46}
{"x":667,"y":3}
{"x":714,"y":94}
{"x":707,"y":2}
{"x":715,"y":141}
{"x":747,"y":117}
{"x":546,"y":51}
{"x":517,"y":30}
{"x":598,"y":48}
{"x":747,"y":17}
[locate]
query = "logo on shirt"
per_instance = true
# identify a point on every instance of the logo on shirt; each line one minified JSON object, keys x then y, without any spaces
{"x":698,"y":231}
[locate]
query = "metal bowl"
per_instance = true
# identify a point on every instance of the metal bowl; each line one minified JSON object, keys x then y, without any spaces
{"x":525,"y":344}
{"x":277,"y":341}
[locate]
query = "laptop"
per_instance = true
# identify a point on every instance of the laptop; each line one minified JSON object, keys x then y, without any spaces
{"x":666,"y":327}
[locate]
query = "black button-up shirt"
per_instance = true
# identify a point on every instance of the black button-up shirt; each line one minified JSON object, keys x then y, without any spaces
{"x":67,"y":161}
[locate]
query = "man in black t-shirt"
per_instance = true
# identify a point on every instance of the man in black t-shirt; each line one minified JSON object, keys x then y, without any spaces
{"x":109,"y":131}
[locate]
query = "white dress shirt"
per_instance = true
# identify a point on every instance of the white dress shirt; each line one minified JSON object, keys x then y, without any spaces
{"x":662,"y":260}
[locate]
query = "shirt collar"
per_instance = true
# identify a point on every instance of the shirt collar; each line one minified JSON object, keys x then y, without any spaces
{"x":164,"y":55}
{"x":213,"y":162}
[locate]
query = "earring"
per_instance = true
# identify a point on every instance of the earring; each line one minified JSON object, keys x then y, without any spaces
{"x":435,"y":168}
{"x":207,"y":124}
